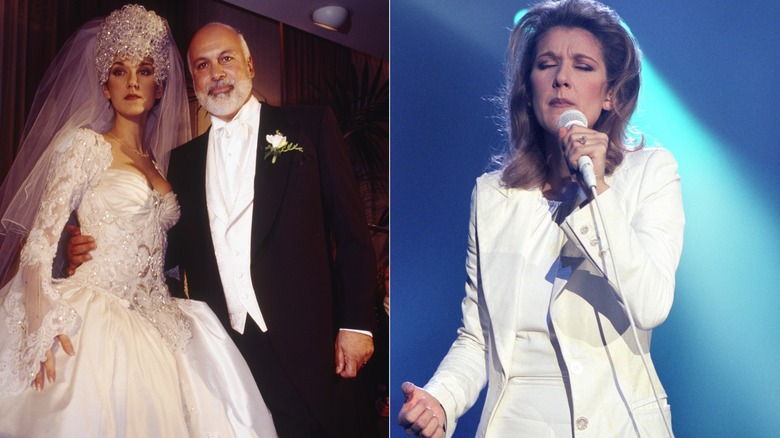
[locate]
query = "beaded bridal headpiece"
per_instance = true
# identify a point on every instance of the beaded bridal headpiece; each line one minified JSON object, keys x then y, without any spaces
{"x":135,"y":33}
{"x":69,"y":97}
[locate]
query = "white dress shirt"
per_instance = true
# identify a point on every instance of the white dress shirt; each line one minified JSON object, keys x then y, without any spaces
{"x":230,"y":173}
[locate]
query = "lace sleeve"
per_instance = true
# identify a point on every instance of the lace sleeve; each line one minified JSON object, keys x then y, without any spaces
{"x":36,"y":310}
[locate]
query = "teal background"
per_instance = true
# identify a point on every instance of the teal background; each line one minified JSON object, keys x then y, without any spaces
{"x":710,"y":94}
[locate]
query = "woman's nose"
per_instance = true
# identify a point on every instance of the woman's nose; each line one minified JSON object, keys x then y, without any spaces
{"x":561,"y":79}
{"x":132,"y":80}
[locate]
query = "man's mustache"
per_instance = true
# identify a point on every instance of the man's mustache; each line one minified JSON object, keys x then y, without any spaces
{"x":222,"y":83}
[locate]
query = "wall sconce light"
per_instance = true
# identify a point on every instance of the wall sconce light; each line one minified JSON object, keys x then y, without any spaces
{"x":330,"y":17}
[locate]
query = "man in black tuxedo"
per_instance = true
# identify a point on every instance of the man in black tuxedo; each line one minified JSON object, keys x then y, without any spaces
{"x":275,"y":240}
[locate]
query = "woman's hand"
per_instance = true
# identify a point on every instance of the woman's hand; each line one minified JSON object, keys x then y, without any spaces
{"x":48,"y":367}
{"x":579,"y":141}
{"x":421,"y":414}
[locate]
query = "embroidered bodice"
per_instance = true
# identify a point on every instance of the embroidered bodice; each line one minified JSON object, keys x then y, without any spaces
{"x":129,"y":221}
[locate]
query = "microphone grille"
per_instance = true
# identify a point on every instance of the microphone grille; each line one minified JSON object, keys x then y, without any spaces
{"x":572,"y":117}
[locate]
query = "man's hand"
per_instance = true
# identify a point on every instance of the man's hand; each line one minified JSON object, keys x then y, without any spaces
{"x":421,"y":414}
{"x":78,"y":248}
{"x":48,"y":367}
{"x":353,"y":350}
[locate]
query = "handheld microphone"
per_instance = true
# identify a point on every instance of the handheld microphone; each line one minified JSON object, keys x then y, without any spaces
{"x":568,"y":119}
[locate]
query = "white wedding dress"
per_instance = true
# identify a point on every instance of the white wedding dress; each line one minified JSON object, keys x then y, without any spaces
{"x":145,"y":364}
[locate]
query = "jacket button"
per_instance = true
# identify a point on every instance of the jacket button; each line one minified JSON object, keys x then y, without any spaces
{"x":584,"y":229}
{"x":582,"y":423}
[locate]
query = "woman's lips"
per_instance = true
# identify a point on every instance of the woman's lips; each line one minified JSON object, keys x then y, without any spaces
{"x":561,"y":103}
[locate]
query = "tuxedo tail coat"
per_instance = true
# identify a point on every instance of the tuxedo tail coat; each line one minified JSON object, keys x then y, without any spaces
{"x":312,"y":260}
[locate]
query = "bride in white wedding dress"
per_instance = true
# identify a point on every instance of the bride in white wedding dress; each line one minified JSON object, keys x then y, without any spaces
{"x":108,"y":352}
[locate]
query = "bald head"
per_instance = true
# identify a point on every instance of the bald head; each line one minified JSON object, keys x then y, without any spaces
{"x":215,"y":29}
{"x":222,"y":69}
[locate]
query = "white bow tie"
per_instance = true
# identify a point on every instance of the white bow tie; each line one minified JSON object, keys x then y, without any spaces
{"x":235,"y":133}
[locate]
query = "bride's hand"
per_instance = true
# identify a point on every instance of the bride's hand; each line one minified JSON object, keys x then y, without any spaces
{"x":48,"y":367}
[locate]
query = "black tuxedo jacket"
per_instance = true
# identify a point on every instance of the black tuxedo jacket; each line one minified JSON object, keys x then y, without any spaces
{"x":312,"y":266}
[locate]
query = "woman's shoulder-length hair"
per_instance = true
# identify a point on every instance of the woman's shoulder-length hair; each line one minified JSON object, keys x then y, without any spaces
{"x":524,"y":162}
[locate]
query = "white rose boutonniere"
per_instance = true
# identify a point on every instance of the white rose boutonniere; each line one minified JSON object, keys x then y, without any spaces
{"x":277,"y":145}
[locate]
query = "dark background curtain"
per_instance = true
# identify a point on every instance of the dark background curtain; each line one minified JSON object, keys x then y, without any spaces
{"x":293,"y":67}
{"x":310,"y":63}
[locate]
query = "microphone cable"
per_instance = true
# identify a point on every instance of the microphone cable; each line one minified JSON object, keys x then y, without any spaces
{"x":619,"y":292}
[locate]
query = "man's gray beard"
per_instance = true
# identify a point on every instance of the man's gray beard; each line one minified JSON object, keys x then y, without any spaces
{"x":226,"y":103}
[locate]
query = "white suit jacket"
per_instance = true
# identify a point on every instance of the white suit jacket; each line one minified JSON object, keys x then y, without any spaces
{"x":609,"y":387}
